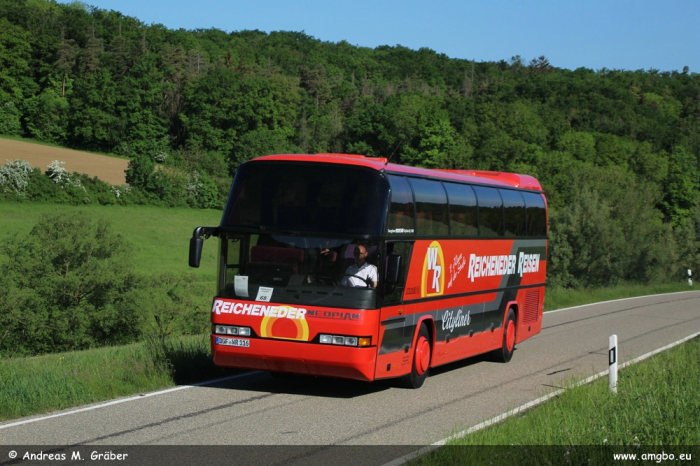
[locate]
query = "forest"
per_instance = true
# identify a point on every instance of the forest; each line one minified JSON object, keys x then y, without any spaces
{"x":616,"y":151}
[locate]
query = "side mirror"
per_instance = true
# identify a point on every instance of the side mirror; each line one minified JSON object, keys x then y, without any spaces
{"x":196,"y":245}
{"x":392,"y":270}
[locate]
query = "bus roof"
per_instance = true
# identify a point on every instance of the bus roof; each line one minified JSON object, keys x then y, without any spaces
{"x":513,"y":180}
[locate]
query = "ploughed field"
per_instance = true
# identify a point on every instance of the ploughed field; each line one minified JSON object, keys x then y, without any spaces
{"x":109,"y":169}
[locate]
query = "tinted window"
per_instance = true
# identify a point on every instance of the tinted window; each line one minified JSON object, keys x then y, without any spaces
{"x":536,"y":214}
{"x":394,"y":293}
{"x":490,"y":211}
{"x":463,"y":212}
{"x":400,"y":218}
{"x":513,"y":212}
{"x":307,"y":197}
{"x":431,"y":207}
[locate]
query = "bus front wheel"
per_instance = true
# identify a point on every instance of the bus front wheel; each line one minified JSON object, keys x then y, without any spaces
{"x":505,"y":352}
{"x":422,"y":353}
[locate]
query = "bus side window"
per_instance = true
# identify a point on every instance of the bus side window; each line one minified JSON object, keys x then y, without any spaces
{"x":514,"y":212}
{"x":393,"y":293}
{"x":490,"y":211}
{"x":431,"y":207}
{"x":463,"y":215}
{"x":536,"y":214}
{"x":400,"y":218}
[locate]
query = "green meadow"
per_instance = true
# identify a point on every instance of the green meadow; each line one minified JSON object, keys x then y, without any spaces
{"x":160,"y":237}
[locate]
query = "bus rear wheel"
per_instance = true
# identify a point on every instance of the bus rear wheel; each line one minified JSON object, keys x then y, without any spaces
{"x":422,"y":354}
{"x":505,"y":352}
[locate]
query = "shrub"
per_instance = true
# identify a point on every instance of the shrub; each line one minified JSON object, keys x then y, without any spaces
{"x":202,"y":191}
{"x":14,"y":176}
{"x":173,"y":304}
{"x":66,"y":286}
{"x":140,"y":168}
{"x":57,"y":173}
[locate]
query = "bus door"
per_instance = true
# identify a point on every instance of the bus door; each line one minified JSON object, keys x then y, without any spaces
{"x":396,"y":330}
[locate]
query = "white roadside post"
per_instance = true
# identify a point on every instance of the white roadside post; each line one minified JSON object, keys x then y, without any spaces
{"x":690,"y":280}
{"x":612,"y":363}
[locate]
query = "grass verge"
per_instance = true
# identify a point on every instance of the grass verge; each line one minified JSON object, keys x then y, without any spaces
{"x":559,"y":298}
{"x":57,"y":381}
{"x":657,"y":404}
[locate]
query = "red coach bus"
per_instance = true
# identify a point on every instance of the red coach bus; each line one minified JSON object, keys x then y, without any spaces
{"x":348,"y":266}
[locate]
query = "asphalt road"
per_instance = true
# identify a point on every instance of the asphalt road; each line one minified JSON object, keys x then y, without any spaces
{"x":258,"y":409}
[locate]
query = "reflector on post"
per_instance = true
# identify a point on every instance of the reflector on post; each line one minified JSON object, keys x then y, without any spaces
{"x":612,"y":362}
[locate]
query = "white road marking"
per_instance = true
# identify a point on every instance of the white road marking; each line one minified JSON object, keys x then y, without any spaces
{"x":616,"y":300}
{"x":124,"y":400}
{"x":427,"y":449}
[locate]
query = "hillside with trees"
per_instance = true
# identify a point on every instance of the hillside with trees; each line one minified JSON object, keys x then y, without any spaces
{"x":616,"y":151}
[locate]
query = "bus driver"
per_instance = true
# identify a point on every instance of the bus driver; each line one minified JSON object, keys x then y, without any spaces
{"x":361,"y":273}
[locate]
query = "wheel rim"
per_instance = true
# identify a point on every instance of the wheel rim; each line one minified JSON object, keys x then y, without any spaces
{"x":422,"y":355}
{"x":510,"y":336}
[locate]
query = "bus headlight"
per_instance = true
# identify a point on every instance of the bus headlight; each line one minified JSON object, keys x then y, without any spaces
{"x":344,"y":340}
{"x":231,"y":330}
{"x":338,"y":340}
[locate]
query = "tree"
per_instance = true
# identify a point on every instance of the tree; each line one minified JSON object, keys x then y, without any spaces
{"x":14,"y":60}
{"x":579,"y":144}
{"x":262,"y":141}
{"x":65,"y":61}
{"x":541,"y":65}
{"x":46,"y":115}
{"x":680,"y":188}
{"x":584,"y":244}
{"x":65,"y":287}
{"x":140,"y":168}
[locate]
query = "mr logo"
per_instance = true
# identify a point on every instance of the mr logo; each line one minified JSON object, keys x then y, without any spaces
{"x":433,"y":282}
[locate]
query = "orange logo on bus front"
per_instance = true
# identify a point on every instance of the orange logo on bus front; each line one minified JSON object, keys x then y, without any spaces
{"x":285,"y":329}
{"x":433,"y":283}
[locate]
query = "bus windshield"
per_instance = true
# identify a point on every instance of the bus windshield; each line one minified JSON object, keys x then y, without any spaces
{"x":306,"y":270}
{"x":309,"y":198}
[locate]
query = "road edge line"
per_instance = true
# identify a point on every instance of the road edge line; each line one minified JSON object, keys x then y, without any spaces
{"x":531,"y":404}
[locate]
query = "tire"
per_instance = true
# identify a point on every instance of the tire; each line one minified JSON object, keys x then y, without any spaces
{"x":422,"y":353}
{"x":505,"y":353}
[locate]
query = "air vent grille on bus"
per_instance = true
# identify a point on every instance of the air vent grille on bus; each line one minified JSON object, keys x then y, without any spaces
{"x":532,"y":302}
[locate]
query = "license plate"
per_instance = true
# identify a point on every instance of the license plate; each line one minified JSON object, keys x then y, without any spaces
{"x":233,"y":342}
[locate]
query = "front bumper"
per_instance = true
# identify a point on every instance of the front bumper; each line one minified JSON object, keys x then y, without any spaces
{"x":299,"y":357}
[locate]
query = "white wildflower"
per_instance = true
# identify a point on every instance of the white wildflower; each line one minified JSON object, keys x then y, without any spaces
{"x":57,"y":173}
{"x":14,"y":176}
